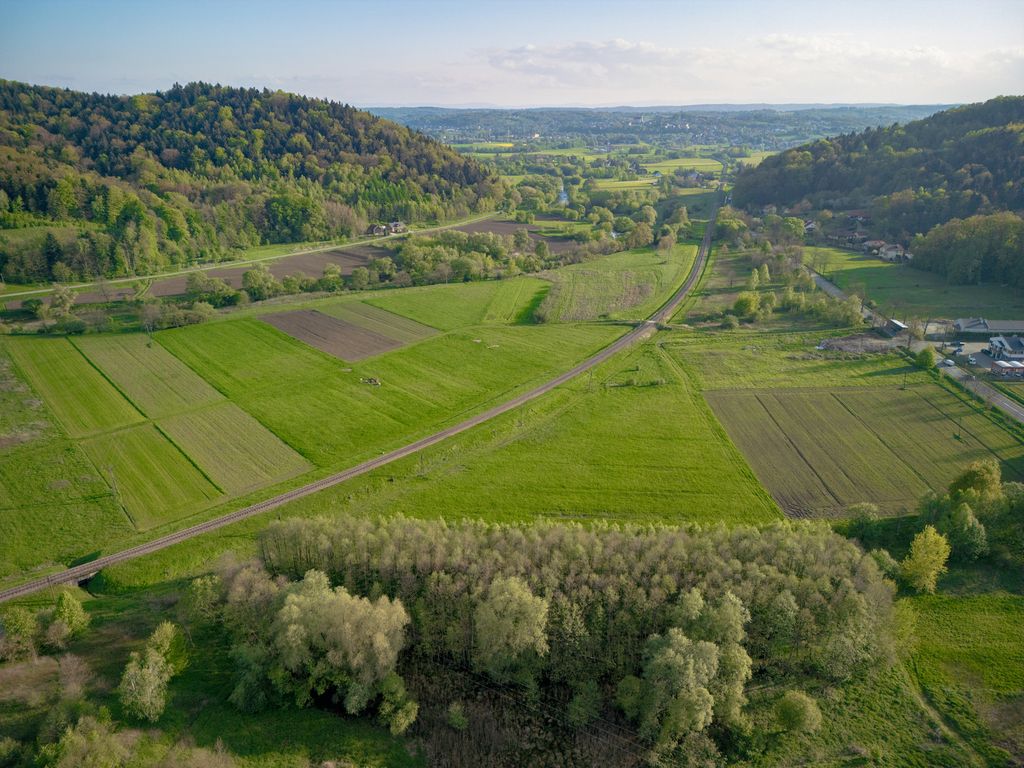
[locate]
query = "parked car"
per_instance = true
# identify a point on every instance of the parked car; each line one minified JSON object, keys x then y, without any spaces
{"x":948,"y":363}
{"x":972,"y":360}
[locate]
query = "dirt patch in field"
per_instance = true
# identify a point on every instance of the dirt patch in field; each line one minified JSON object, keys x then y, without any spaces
{"x":310,"y":264}
{"x":331,"y":335}
{"x":558,"y":245}
{"x":860,"y":343}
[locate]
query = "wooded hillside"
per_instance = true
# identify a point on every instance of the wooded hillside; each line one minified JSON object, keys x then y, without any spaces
{"x":957,"y":163}
{"x":136,"y":183}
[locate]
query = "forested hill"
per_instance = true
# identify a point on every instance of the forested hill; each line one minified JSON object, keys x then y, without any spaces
{"x":954,"y":164}
{"x":140,"y":182}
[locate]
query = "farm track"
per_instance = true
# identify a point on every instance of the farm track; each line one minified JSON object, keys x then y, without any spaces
{"x":159,"y":276}
{"x":642,"y":331}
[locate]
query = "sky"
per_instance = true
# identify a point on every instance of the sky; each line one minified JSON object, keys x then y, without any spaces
{"x":521,"y":53}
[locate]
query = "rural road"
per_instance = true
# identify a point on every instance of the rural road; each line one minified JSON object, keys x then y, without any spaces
{"x":836,"y":292}
{"x":37,"y":292}
{"x":641,"y":331}
{"x":990,"y":394}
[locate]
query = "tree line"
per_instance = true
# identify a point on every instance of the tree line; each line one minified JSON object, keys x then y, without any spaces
{"x":664,"y":625}
{"x":194,"y":173}
{"x":962,"y":164}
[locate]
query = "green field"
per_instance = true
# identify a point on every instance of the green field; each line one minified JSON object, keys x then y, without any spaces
{"x":969,"y":662}
{"x":631,"y":443}
{"x":153,"y":480}
{"x":319,"y":406}
{"x":623,"y":286}
{"x":82,"y":400}
{"x":54,"y":505}
{"x":751,"y":359}
{"x":378,"y":320}
{"x":819,"y":451}
{"x":905,"y":292}
{"x":514,"y":300}
{"x":616,"y":184}
{"x":154,"y":380}
{"x":234,"y":449}
{"x":635,"y":442}
{"x":754,"y":157}
{"x":449,"y":306}
{"x":703,"y":164}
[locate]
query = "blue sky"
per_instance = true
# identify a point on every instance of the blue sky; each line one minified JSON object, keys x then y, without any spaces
{"x":527,"y":52}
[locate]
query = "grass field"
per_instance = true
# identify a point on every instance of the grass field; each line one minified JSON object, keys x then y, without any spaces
{"x":457,"y":305}
{"x":154,"y":481}
{"x":515,"y":300}
{"x":237,"y":452}
{"x":154,"y":380}
{"x":969,"y":662}
{"x":819,"y":451}
{"x":645,"y":183}
{"x":82,"y":400}
{"x":740,"y":359}
{"x":703,"y":164}
{"x":54,"y":506}
{"x":632,"y":443}
{"x":319,"y":406}
{"x":876,"y":721}
{"x":623,"y":286}
{"x":754,"y":157}
{"x":903,"y":291}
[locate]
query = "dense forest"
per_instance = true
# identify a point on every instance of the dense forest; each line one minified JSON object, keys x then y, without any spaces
{"x":662,"y":626}
{"x":965,"y":163}
{"x":135,"y":183}
{"x":955,"y":163}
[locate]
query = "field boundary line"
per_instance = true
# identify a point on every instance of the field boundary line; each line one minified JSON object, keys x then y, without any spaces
{"x":882,"y":440}
{"x":959,"y":424}
{"x":640,"y":332}
{"x":714,"y":424}
{"x":247,"y":262}
{"x":799,"y":453}
{"x":109,"y":381}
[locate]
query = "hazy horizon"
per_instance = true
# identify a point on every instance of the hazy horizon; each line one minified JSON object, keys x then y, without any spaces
{"x":458,"y":54}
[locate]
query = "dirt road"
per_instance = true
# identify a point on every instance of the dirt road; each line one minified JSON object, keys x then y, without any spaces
{"x":640,"y":332}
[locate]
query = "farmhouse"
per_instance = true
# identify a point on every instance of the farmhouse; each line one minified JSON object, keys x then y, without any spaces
{"x":395,"y":227}
{"x":873,"y":246}
{"x":981,"y":325}
{"x":1007,"y":368}
{"x":893,"y":328}
{"x":377,"y":229}
{"x":892,"y":252}
{"x":1006,"y":348}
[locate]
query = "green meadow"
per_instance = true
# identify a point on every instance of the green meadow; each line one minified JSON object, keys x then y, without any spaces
{"x":902,"y":291}
{"x":623,"y":286}
{"x":325,"y":410}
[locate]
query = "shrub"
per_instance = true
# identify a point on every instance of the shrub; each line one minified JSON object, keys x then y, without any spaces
{"x":798,"y":713}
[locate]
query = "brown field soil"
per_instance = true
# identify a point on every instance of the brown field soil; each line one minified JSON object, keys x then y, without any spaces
{"x":818,"y":451}
{"x":310,"y":264}
{"x":331,"y":335}
{"x":556,"y":244}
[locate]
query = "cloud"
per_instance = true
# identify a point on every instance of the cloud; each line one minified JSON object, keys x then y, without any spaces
{"x":774,"y":67}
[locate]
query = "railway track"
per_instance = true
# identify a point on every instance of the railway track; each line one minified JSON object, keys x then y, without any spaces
{"x":641,"y":331}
